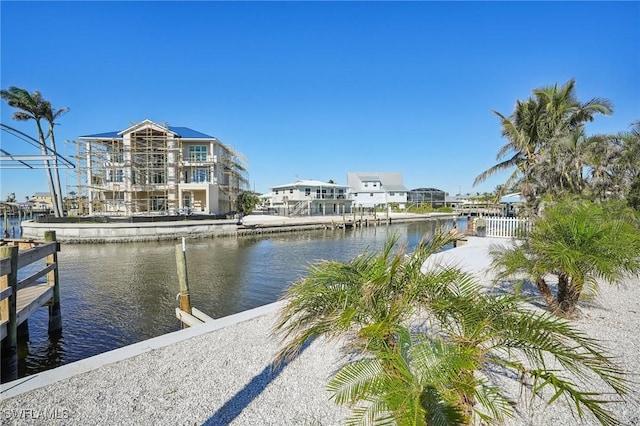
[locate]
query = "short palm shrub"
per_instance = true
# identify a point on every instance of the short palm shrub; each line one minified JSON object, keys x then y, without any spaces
{"x":430,"y":342}
{"x":579,"y":243}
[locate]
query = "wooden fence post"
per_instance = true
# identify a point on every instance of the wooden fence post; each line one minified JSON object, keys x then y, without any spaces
{"x":183,"y":281}
{"x":55,"y":315}
{"x":10,"y":343}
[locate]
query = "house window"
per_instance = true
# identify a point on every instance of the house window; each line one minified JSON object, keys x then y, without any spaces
{"x":291,"y":191}
{"x":366,"y":184}
{"x":158,"y":203}
{"x":199,"y":175}
{"x":115,"y":154}
{"x":307,"y":191}
{"x":115,"y":176}
{"x":392,"y":193}
{"x":198,"y":153}
{"x":375,"y":184}
{"x":371,"y":194}
{"x":157,"y":176}
{"x":276,"y":192}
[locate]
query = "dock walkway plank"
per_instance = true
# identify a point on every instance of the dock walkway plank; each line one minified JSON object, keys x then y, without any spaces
{"x":29,"y":300}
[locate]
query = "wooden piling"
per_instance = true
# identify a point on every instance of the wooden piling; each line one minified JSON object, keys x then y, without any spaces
{"x":183,"y":281}
{"x":6,"y":225}
{"x":23,"y":330}
{"x":55,"y":314}
{"x":9,"y":310}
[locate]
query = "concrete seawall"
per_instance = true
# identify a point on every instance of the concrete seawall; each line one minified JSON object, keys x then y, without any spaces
{"x":252,"y":224}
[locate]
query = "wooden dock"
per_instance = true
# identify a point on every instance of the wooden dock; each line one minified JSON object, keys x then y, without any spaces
{"x":21,"y":296}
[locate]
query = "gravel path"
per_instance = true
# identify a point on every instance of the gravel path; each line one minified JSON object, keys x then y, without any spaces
{"x":227,"y":376}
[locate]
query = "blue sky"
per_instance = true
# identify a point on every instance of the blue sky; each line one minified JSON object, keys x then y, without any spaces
{"x":314,"y":90}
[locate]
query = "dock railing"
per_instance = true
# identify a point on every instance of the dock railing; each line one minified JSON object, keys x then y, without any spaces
{"x":503,"y":227}
{"x":20,"y":297}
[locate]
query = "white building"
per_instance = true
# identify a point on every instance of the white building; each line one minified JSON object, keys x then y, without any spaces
{"x":310,"y":197}
{"x":152,"y":168}
{"x":377,"y":189}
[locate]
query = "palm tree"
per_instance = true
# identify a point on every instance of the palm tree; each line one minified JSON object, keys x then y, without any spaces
{"x":579,"y":242}
{"x":51,"y":115}
{"x":534,"y":130}
{"x":374,"y":288}
{"x":437,"y":371}
{"x":33,"y":107}
{"x":629,"y":162}
{"x":563,"y":111}
{"x":603,"y":160}
{"x":521,"y":130}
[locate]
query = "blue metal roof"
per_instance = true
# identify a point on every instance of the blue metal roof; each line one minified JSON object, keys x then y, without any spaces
{"x":185,"y":132}
{"x":107,"y":135}
{"x":182,"y":132}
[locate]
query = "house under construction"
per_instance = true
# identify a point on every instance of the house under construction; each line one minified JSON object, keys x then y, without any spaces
{"x":152,"y":168}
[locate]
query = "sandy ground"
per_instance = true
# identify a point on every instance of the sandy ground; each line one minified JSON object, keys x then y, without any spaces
{"x":227,"y":376}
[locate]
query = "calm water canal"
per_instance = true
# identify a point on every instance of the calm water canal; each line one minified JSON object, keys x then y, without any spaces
{"x":114,"y":295}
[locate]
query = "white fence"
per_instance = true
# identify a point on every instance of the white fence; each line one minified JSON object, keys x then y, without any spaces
{"x":504,"y":227}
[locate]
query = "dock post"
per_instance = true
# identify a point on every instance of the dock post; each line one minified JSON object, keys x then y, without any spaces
{"x":55,"y":315}
{"x":183,"y":281}
{"x":10,"y":311}
{"x":23,"y":330}
{"x":6,"y":225}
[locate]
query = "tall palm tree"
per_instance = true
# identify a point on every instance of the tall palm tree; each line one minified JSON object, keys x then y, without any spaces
{"x":564,"y":112}
{"x":630,"y":164}
{"x":33,"y":107}
{"x":430,"y":337}
{"x":603,"y":162}
{"x":535,"y":129}
{"x":521,"y":130}
{"x":51,"y":115}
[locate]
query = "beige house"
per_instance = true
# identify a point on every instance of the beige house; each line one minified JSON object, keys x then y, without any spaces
{"x":152,"y":168}
{"x":41,"y":201}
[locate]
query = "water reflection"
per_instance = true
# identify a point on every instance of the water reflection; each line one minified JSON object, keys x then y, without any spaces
{"x":114,"y":295}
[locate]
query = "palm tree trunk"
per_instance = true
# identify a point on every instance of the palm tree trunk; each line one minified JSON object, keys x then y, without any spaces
{"x":52,"y":191}
{"x":568,"y":295}
{"x":547,"y":294}
{"x":56,"y":172}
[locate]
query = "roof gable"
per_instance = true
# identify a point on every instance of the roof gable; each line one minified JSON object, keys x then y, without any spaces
{"x":390,"y":181}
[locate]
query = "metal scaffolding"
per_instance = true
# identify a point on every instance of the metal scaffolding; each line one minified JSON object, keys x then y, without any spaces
{"x":142,"y":172}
